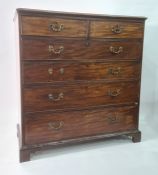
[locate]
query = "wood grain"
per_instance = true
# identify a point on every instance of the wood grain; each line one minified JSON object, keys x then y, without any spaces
{"x":43,"y":72}
{"x":76,"y":49}
{"x":79,"y":96}
{"x":103,"y":29}
{"x":79,"y":78}
{"x":78,"y":124}
{"x":33,"y":25}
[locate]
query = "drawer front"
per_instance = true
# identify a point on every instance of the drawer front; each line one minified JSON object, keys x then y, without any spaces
{"x":49,"y":26}
{"x":35,"y":72}
{"x":55,"y":97}
{"x":115,"y":29}
{"x":75,"y":49}
{"x":49,"y":127}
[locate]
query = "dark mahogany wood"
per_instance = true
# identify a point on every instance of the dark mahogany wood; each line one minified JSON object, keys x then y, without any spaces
{"x":49,"y":145}
{"x":136,"y":137}
{"x":76,"y":15}
{"x":78,"y":49}
{"x":43,"y":72}
{"x":38,"y":98}
{"x":79,"y":76}
{"x":46,"y":127}
{"x":24,"y":155}
{"x":105,"y":29}
{"x":41,"y":26}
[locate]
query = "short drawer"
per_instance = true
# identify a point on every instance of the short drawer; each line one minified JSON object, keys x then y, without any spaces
{"x":51,"y":26}
{"x":49,"y":127}
{"x":76,"y":49}
{"x":42,"y":72}
{"x":116,"y":29}
{"x":57,"y":97}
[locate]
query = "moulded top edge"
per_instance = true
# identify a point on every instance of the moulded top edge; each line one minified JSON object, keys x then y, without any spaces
{"x":24,"y":11}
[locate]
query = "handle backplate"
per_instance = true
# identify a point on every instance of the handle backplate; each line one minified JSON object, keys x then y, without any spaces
{"x":56,"y":98}
{"x":114,"y":93}
{"x":55,"y":125}
{"x":115,"y":71}
{"x":50,"y":71}
{"x":113,"y":119}
{"x":117,"y":29}
{"x":116,"y":50}
{"x":56,"y":27}
{"x":61,"y":70}
{"x":58,"y":51}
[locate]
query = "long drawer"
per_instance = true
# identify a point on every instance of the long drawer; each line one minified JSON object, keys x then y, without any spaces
{"x":47,"y":127}
{"x":43,"y":72}
{"x":53,"y":97}
{"x":78,"y":49}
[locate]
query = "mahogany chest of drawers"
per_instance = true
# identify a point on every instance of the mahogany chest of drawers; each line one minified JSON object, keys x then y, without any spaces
{"x":79,"y":78}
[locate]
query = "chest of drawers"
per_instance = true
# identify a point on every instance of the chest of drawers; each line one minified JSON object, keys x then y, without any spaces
{"x":79,"y":78}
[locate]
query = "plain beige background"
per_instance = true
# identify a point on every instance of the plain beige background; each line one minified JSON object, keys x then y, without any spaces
{"x":110,"y":157}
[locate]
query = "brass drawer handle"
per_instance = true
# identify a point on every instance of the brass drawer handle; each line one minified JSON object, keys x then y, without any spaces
{"x":115,"y":71}
{"x":113,"y":119}
{"x":50,"y":71}
{"x":116,"y":29}
{"x":116,"y":50}
{"x":51,"y":49}
{"x":59,"y":97}
{"x":114,"y":93}
{"x":55,"y":125}
{"x":56,"y":27}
